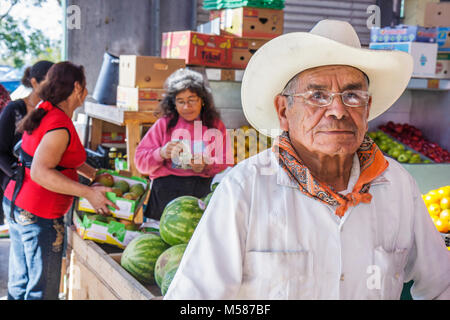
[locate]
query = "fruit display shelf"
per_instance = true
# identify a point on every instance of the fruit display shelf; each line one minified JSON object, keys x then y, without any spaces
{"x":401,"y":147}
{"x":414,"y":137}
{"x":422,"y":156}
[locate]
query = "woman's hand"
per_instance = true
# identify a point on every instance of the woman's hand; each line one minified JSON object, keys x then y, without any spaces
{"x":97,"y":199}
{"x":171,"y":150}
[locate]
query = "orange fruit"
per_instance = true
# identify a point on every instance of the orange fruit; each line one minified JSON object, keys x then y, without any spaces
{"x":445,"y":203}
{"x":442,"y":225}
{"x":434,"y":209}
{"x":445,"y":214}
{"x":434,"y":219}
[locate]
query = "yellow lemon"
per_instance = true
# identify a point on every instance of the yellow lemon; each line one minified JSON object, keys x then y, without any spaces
{"x":444,"y":191}
{"x":434,"y":209}
{"x":435,"y":194}
{"x":442,"y":225}
{"x":428,"y":199}
{"x":445,"y":203}
{"x":445,"y":214}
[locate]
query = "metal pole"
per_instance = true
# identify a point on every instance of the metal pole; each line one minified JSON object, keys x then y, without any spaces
{"x":64,"y":44}
{"x":156,"y":30}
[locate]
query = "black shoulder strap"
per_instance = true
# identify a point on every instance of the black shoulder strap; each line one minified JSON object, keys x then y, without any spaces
{"x":25,"y":161}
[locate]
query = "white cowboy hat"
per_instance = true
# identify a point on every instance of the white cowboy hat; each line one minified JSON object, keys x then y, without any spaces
{"x":330,"y":42}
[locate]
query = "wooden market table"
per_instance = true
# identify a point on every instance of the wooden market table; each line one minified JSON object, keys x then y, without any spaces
{"x":95,"y":273}
{"x":132,"y":120}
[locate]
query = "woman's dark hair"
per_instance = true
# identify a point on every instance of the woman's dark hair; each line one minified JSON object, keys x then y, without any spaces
{"x":37,"y":71}
{"x":56,"y":88}
{"x":185,"y":79}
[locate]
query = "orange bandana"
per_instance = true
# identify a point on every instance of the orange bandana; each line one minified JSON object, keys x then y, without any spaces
{"x":372,"y":164}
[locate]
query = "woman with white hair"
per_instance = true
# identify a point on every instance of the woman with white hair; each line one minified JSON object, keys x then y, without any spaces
{"x":186,"y":147}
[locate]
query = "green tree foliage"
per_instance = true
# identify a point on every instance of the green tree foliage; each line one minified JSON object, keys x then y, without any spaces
{"x":19,"y":42}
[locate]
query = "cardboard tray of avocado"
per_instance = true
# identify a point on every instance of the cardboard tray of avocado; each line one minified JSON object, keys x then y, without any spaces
{"x":128,"y":193}
{"x":105,"y":229}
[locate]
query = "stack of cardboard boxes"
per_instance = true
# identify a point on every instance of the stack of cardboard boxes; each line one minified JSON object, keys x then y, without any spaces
{"x":141,"y":81}
{"x":429,"y":44}
{"x":438,"y":15}
{"x":225,"y":45}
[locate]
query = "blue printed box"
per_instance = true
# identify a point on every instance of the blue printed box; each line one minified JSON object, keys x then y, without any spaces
{"x":443,"y":39}
{"x":403,"y":33}
{"x":424,"y":55}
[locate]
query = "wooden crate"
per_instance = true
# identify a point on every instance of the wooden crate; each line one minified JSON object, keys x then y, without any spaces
{"x":96,"y":275}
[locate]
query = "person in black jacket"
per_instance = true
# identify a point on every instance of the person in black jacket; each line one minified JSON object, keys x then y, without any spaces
{"x":10,"y":117}
{"x":4,"y":97}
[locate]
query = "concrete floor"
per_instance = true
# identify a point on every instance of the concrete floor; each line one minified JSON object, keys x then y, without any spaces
{"x":4,"y":258}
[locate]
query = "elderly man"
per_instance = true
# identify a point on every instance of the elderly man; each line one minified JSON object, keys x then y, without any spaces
{"x":323,"y":214}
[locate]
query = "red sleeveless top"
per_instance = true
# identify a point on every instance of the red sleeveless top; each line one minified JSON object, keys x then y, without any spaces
{"x":33,"y":197}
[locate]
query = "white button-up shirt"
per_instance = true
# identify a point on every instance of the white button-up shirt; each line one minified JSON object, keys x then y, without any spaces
{"x":261,"y":238}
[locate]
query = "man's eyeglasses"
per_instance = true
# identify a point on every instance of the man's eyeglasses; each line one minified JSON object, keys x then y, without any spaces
{"x":323,"y":98}
{"x":190,"y":101}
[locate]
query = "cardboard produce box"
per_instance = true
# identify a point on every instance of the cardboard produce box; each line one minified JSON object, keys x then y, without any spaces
{"x":112,"y":133}
{"x":113,"y":137}
{"x":424,"y":55}
{"x":219,"y":74}
{"x":104,"y":230}
{"x":250,"y":22}
{"x":127,"y":207}
{"x":443,"y":65}
{"x":403,"y":33}
{"x":437,"y":14}
{"x":139,"y":99}
{"x":224,"y":74}
{"x":243,"y":50}
{"x":198,"y":48}
{"x":146,"y":71}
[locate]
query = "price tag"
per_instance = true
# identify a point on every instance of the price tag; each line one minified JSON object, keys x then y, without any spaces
{"x":433,"y":84}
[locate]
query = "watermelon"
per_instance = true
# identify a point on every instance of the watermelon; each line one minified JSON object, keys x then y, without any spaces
{"x":167,"y":280}
{"x":179,"y":219}
{"x":140,"y":255}
{"x":167,"y":260}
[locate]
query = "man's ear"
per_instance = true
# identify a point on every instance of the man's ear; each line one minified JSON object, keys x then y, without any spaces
{"x":369,"y":105}
{"x":281,"y":106}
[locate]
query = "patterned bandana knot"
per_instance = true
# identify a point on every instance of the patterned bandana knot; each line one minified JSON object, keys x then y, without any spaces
{"x":371,"y":160}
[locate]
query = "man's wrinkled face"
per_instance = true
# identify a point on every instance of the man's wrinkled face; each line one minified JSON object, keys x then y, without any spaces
{"x":331,"y":130}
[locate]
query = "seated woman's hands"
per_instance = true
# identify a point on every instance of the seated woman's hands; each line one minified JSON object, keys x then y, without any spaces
{"x":171,"y":149}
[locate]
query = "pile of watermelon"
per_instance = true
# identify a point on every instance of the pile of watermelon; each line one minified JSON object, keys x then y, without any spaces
{"x":152,"y":258}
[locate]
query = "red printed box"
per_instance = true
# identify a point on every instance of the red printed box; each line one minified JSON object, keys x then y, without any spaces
{"x":198,"y":48}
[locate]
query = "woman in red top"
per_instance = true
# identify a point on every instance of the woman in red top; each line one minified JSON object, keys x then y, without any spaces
{"x":51,"y":144}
